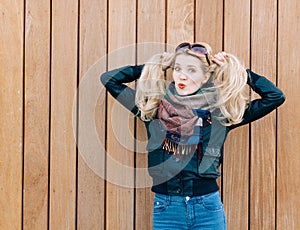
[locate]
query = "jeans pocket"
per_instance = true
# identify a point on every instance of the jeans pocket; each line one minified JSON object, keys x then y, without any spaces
{"x":212,"y":202}
{"x":160,"y":204}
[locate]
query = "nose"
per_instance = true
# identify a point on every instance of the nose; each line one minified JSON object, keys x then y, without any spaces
{"x":182,"y":75}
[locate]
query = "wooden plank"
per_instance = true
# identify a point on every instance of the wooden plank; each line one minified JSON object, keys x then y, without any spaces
{"x":36,"y":123}
{"x":263,"y":132}
{"x":120,"y":138}
{"x":63,"y":92}
{"x":180,"y":22}
{"x":91,"y":184}
{"x":151,"y":17}
{"x":11,"y":118}
{"x":236,"y":155}
{"x":208,"y":25}
{"x":288,"y":159}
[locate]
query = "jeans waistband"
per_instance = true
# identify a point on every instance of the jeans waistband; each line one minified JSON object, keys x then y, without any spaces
{"x":184,"y":199}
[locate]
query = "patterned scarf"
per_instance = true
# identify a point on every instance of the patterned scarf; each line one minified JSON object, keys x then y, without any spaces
{"x":184,"y":118}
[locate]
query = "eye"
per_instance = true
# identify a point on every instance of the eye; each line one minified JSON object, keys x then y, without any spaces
{"x":177,"y":68}
{"x":191,"y":70}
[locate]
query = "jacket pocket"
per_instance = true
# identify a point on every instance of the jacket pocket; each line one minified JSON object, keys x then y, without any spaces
{"x":210,"y":162}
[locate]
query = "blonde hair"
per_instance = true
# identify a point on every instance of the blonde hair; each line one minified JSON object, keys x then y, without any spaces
{"x":233,"y":92}
{"x":230,"y":80}
{"x":151,"y":88}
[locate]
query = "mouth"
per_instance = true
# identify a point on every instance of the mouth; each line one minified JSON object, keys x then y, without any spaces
{"x":181,"y":86}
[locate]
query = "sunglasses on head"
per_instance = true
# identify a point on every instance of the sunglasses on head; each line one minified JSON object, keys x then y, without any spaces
{"x":196,"y":48}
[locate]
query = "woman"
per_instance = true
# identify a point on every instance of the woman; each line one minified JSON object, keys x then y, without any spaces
{"x":187,"y":122}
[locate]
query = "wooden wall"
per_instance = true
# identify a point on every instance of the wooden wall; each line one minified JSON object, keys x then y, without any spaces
{"x":52,"y":54}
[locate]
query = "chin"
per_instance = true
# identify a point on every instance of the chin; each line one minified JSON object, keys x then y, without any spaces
{"x":185,"y":92}
{"x":181,"y":92}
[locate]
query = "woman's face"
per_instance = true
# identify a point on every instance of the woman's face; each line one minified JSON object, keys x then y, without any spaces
{"x":188,"y":75}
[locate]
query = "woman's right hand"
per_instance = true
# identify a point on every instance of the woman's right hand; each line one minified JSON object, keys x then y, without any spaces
{"x":167,"y":59}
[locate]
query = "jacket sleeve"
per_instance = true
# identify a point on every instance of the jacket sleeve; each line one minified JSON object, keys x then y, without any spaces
{"x":271,"y":98}
{"x":114,"y":81}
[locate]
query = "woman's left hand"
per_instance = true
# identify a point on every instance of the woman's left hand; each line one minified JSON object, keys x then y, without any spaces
{"x":220,"y":58}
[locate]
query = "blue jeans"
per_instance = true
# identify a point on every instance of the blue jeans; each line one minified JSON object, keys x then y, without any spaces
{"x":179,"y":212}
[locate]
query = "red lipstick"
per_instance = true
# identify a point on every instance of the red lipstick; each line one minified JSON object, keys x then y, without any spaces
{"x":181,"y":86}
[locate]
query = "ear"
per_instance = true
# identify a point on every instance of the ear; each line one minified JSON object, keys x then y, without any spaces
{"x":207,"y":76}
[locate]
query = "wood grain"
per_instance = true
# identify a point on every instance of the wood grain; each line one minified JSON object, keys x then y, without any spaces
{"x":288,"y":147}
{"x":91,"y":159}
{"x":209,"y":23}
{"x":36,"y":123}
{"x":120,"y":123}
{"x":236,"y":154}
{"x":63,"y":93}
{"x":263,"y":131}
{"x":11,"y":113}
{"x":40,"y":71}
{"x":180,"y":22}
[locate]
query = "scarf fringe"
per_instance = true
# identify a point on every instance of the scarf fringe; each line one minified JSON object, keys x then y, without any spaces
{"x":176,"y":149}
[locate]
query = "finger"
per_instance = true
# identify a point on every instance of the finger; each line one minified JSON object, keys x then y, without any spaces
{"x":219,"y":60}
{"x":221,"y":55}
{"x":224,"y":54}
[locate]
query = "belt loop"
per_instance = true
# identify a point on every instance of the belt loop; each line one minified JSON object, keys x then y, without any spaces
{"x":199,"y":199}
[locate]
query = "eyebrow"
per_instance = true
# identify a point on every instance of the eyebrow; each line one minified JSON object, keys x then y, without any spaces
{"x":192,"y":66}
{"x":176,"y":63}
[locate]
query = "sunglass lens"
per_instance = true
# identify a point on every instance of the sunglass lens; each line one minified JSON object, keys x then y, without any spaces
{"x":199,"y":49}
{"x":183,"y":46}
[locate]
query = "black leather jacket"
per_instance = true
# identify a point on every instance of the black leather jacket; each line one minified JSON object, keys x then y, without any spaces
{"x":189,"y":175}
